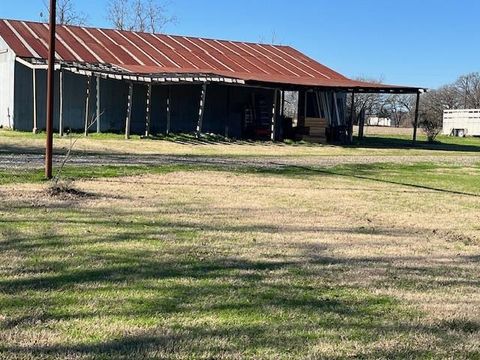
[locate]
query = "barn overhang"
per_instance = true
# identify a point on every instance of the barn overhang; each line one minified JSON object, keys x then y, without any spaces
{"x":108,"y":71}
{"x":135,"y":76}
{"x":119,"y":73}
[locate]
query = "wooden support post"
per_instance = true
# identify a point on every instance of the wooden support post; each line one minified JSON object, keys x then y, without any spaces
{"x":60,"y":116}
{"x":128,"y":119}
{"x":415,"y":123}
{"x":87,"y":106}
{"x":352,"y":119}
{"x":302,"y":95}
{"x":148,"y":110}
{"x":229,"y":100}
{"x":35,"y":120}
{"x":335,"y":107}
{"x":99,"y":114}
{"x":169,"y":110}
{"x":361,"y":125}
{"x":328,"y":111}
{"x":274,"y":115}
{"x":319,"y":104}
{"x":201,"y":111}
{"x":283,"y":104}
{"x":305,"y":107}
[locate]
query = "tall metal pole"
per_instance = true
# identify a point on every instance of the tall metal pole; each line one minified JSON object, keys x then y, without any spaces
{"x":50,"y":91}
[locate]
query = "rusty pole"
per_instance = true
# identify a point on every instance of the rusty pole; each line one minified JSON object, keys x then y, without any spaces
{"x":50,"y":91}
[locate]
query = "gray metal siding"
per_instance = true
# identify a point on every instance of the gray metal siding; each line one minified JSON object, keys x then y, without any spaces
{"x":224,"y":111}
{"x":216,"y":118}
{"x":74,"y":96}
{"x":185,"y":102}
{"x":7,"y":78}
{"x":23,"y":114}
{"x":139,"y":109}
{"x":158,"y":122}
{"x":113,"y":101}
{"x":113,"y":105}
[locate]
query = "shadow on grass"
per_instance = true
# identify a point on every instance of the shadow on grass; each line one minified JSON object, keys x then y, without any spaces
{"x":199,"y":300}
{"x":10,"y":149}
{"x":181,"y":139}
{"x":378,"y":142}
{"x":193,"y":297}
{"x":355,"y":171}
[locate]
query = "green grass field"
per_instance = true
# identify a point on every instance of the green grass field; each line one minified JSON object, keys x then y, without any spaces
{"x":244,"y":260}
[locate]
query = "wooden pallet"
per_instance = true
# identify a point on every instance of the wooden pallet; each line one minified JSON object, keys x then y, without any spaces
{"x":316,"y":130}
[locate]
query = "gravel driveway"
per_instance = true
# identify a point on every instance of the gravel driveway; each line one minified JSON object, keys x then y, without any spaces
{"x":32,"y":161}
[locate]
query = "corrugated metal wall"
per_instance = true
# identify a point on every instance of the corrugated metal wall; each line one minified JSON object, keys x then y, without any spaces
{"x":74,"y":95}
{"x":7,"y":72}
{"x":224,"y":109}
{"x":185,"y":101}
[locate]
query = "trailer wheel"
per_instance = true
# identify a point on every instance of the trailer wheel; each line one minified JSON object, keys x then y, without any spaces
{"x":461,"y":133}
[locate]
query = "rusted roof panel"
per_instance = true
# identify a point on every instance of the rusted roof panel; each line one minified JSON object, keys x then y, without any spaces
{"x":143,"y":54}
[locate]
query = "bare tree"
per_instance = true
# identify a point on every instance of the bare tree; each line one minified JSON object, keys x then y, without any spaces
{"x":468,"y":90}
{"x":139,"y":15}
{"x":366,"y":103}
{"x":431,"y":114}
{"x":271,"y":39}
{"x":393,"y":109}
{"x":291,"y":104}
{"x":433,"y":104}
{"x":399,"y":108}
{"x":118,"y":14}
{"x":67,"y":14}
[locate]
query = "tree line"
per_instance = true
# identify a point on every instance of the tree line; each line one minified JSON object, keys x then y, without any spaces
{"x":133,"y":15}
{"x":464,"y":93}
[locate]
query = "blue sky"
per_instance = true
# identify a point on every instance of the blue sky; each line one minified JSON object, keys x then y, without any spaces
{"x":409,"y":42}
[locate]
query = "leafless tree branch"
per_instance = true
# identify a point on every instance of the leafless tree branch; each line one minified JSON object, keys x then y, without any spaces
{"x":67,"y":14}
{"x":139,"y":15}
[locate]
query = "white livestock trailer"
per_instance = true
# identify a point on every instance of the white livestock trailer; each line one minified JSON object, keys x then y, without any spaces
{"x":461,"y":122}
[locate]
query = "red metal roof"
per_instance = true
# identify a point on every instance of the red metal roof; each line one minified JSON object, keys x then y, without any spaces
{"x":143,"y":53}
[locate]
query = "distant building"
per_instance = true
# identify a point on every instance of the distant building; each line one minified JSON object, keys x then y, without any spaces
{"x":461,"y":122}
{"x":378,"y":121}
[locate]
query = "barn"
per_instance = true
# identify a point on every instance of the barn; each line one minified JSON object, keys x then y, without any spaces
{"x":108,"y":80}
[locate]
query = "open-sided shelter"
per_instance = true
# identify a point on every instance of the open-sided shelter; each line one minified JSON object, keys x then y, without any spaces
{"x":122,"y":81}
